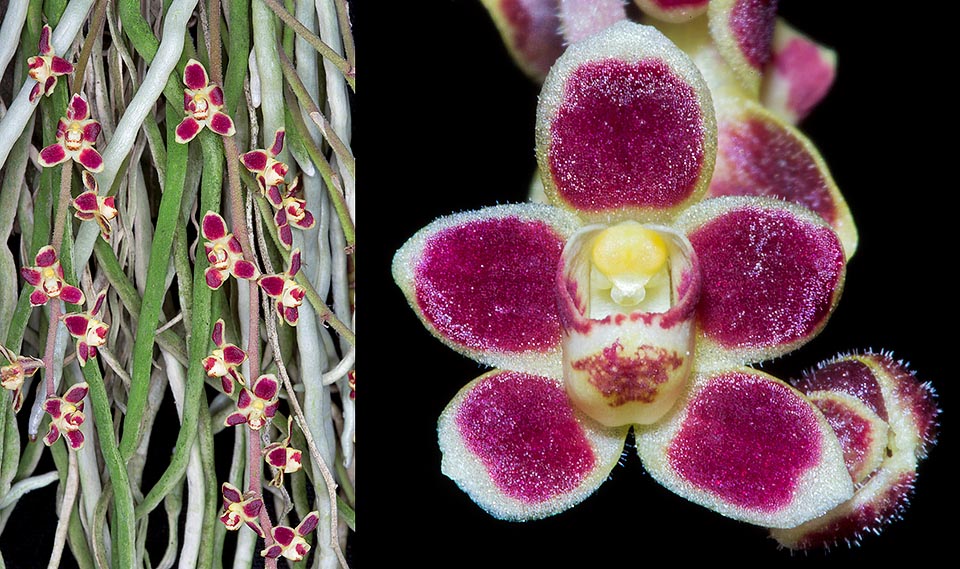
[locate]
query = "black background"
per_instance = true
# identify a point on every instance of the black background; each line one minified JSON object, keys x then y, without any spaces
{"x":446,"y":124}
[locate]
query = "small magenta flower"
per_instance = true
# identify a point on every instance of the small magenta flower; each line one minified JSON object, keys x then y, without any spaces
{"x":224,"y":360}
{"x":13,"y":374}
{"x":202,"y":101}
{"x":46,"y":67}
{"x":224,"y":253}
{"x":282,"y":456}
{"x":241,"y":509}
{"x":91,"y":206}
{"x":289,"y":542}
{"x":257,"y":405}
{"x":269,"y":170}
{"x":76,"y":135}
{"x":89,"y":331}
{"x":67,"y":416}
{"x":288,"y":294}
{"x":47,"y":279}
{"x":293,"y":211}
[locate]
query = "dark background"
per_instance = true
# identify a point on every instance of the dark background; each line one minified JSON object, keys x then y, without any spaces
{"x":447,"y":124}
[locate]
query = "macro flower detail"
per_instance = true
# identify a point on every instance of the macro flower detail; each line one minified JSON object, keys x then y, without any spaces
{"x":76,"y":136}
{"x":289,"y":542}
{"x":203,"y":104}
{"x":46,"y":67}
{"x":268,"y":169}
{"x":241,"y":508}
{"x":637,"y":299}
{"x":292,"y":211}
{"x":92,"y":206}
{"x":257,"y":404}
{"x":47,"y":279}
{"x":15,"y":371}
{"x":224,"y":253}
{"x":66,"y":416}
{"x":89,"y":331}
{"x":288,"y":295}
{"x":282,"y":456}
{"x":225,"y":360}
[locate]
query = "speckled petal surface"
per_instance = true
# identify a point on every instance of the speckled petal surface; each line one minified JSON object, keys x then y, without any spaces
{"x":672,"y":10}
{"x":513,"y":442}
{"x":772,"y":275}
{"x":760,"y":155}
{"x":748,"y":446}
{"x":799,"y":74}
{"x":531,"y":31}
{"x":483,"y":282}
{"x":582,"y":18}
{"x":743,"y":32}
{"x":910,"y":409}
{"x":625,"y":127}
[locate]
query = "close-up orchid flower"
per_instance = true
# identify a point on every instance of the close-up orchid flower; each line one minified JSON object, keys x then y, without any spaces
{"x":15,"y":371}
{"x":691,"y":232}
{"x":287,"y":295}
{"x":76,"y":137}
{"x":46,"y":67}
{"x":87,"y":329}
{"x":47,"y":279}
{"x":224,"y":253}
{"x":203,"y":105}
{"x":90,"y":205}
{"x":66,"y":416}
{"x":224,"y":360}
{"x":269,"y":171}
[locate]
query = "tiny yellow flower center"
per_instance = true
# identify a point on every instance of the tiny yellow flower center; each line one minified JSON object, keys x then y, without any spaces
{"x":200,"y":106}
{"x":74,"y":136}
{"x":625,"y":258}
{"x":219,"y":257}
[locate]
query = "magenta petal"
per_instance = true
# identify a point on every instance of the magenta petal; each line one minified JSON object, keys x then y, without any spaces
{"x":78,"y":109}
{"x":255,"y":526}
{"x":266,"y":387}
{"x":252,"y":508}
{"x":187,"y":130}
{"x":49,"y":85}
{"x":308,"y":524}
{"x":76,"y":324}
{"x":277,"y":457}
{"x":255,"y":160}
{"x":38,"y":298}
{"x":76,"y":393}
{"x":294,"y":263}
{"x":52,"y":406}
{"x":91,"y":132}
{"x":90,"y":159}
{"x":74,"y":439}
{"x":52,"y":435}
{"x":307,"y":222}
{"x":272,"y":193}
{"x":194,"y":75}
{"x":35,"y":93}
{"x":230,"y":493}
{"x":272,"y":285}
{"x":46,"y":256}
{"x":98,"y":303}
{"x":60,"y":66}
{"x":234,"y":419}
{"x":46,"y":48}
{"x":31,"y":275}
{"x":226,"y":382}
{"x":216,"y":96}
{"x":53,"y":155}
{"x":244,"y":399}
{"x":87,"y":201}
{"x":284,"y":535}
{"x":285,"y":235}
{"x":214,"y":277}
{"x":277,"y":147}
{"x":291,"y":315}
{"x":217,"y":334}
{"x":213,"y":226}
{"x":71,"y":294}
{"x":245,"y":270}
{"x":221,"y":124}
{"x":531,"y":31}
{"x":273,"y":551}
{"x":233,"y":355}
{"x":83,"y":352}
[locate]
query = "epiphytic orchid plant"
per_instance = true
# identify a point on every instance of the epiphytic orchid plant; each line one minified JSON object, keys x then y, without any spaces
{"x":107,"y":327}
{"x":689,"y":232}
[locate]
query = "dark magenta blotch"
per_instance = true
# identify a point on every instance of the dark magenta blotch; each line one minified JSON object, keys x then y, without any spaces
{"x":747,"y":440}
{"x":752,"y":23}
{"x":809,"y":74}
{"x":849,"y":376}
{"x":763,"y":159}
{"x":489,"y":284}
{"x":854,"y":432}
{"x":768,"y":277}
{"x":626,"y":134}
{"x":523,"y":430}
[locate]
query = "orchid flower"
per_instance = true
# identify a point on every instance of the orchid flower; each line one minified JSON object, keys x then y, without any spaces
{"x":636,"y":300}
{"x":203,"y":103}
{"x":224,"y":360}
{"x":257,"y":405}
{"x":76,"y":136}
{"x":66,"y":416}
{"x":241,"y":508}
{"x":224,"y":253}
{"x":269,"y":170}
{"x":46,"y":67}
{"x":17,"y":369}
{"x":292,"y":211}
{"x":91,"y":205}
{"x":289,"y":542}
{"x":47,"y":279}
{"x":284,"y":289}
{"x":89,"y":331}
{"x":282,"y":456}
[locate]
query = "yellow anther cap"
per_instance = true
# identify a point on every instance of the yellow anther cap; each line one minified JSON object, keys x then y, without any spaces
{"x":629,"y":249}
